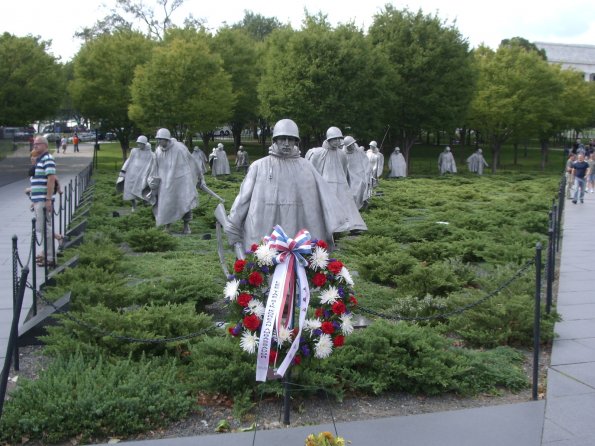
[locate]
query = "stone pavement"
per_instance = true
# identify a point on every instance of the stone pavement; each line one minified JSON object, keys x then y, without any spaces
{"x":565,"y":418}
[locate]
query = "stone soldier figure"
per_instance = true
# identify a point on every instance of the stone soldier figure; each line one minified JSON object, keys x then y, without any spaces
{"x":359,"y":170}
{"x":133,"y":175}
{"x":331,"y":163}
{"x":201,"y":159}
{"x":446,"y":162}
{"x":284,"y":189}
{"x":376,"y":163}
{"x":173,"y":177}
{"x":397,"y":166}
{"x":220,"y":164}
{"x":476,"y":162}
{"x":242,"y":162}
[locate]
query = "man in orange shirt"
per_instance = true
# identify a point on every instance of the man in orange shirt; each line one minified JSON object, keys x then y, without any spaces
{"x":75,"y":142}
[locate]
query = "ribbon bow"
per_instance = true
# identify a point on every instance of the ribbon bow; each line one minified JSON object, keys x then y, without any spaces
{"x":290,"y":270}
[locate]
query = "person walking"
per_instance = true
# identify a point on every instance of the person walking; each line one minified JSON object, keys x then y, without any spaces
{"x":580,"y":170}
{"x":64,"y":144}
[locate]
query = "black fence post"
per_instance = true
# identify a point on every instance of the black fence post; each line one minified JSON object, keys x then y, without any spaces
{"x":550,"y":266}
{"x":13,"y":337}
{"x":33,"y":269}
{"x":536,"y":321}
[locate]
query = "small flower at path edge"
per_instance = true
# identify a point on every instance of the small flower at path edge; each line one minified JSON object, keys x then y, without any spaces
{"x":335,"y":267}
{"x":255,"y":279}
{"x":319,"y":280}
{"x":326,"y":327}
{"x":339,"y":341}
{"x":338,"y":307}
{"x":244,"y":299}
{"x":251,"y":322}
{"x":239,"y":266}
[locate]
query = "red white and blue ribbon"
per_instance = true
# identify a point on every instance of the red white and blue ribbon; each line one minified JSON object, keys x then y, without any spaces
{"x":290,"y":269}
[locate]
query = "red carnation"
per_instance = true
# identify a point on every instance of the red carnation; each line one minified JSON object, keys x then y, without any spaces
{"x":251,"y":322}
{"x":244,"y":299}
{"x":239,"y":266}
{"x":353,"y":300}
{"x":255,"y":279}
{"x":272,"y":356}
{"x":318,"y":312}
{"x":297,"y":359}
{"x":338,"y":341}
{"x":327,"y":327}
{"x":319,"y":279}
{"x":322,"y":244}
{"x":254,"y":247}
{"x":335,"y":267}
{"x":339,"y":307}
{"x":230,"y":330}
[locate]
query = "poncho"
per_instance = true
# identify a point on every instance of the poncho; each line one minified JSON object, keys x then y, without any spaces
{"x":359,"y":170}
{"x":200,"y":157}
{"x":173,"y":177}
{"x":332,"y":165}
{"x":446,"y":163}
{"x":220,"y":163}
{"x":285,"y":191}
{"x":135,"y":170}
{"x":397,"y":167}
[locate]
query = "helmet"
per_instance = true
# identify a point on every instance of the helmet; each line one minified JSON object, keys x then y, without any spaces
{"x":142,"y":139}
{"x":333,"y":132}
{"x":286,"y":127}
{"x":397,"y":149}
{"x":241,"y":148}
{"x":479,"y":151}
{"x":163,"y":134}
{"x":220,"y":146}
{"x":374,"y":144}
{"x":447,"y":149}
{"x":348,"y":141}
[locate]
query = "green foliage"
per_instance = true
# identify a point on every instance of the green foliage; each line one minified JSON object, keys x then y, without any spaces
{"x":102,"y":329}
{"x":150,"y":240}
{"x":89,"y":397}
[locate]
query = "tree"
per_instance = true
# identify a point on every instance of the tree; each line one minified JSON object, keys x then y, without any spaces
{"x":240,"y":61}
{"x":321,"y":77}
{"x":258,"y":26}
{"x":183,"y":87}
{"x":32,"y":84}
{"x":431,"y":76}
{"x":103,"y":73}
{"x":516,"y":95}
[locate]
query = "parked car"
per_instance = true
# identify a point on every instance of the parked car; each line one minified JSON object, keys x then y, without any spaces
{"x":52,"y":137}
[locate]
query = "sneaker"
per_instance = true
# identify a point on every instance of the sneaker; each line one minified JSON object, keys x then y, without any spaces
{"x":582,"y":201}
{"x":573,"y":201}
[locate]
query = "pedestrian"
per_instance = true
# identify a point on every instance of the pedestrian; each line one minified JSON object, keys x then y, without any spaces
{"x":331,"y":164}
{"x":64,"y":144}
{"x":286,"y":190}
{"x":591,"y":177}
{"x":58,"y":143}
{"x":43,"y":184}
{"x":580,"y":171}
{"x":75,"y":142}
{"x":568,"y":172}
{"x":446,"y":162}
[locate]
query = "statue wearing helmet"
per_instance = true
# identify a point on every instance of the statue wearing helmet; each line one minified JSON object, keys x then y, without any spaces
{"x":446,"y":162}
{"x":201,"y":159}
{"x":476,"y":162}
{"x":219,"y":162}
{"x":173,"y":178}
{"x":358,"y":168}
{"x":133,"y":174}
{"x":283,"y":189}
{"x":397,"y":166}
{"x":331,"y":163}
{"x":376,"y":163}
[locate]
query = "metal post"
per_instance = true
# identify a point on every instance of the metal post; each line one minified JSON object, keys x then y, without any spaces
{"x":60,"y":213}
{"x":536,"y":321}
{"x":13,"y":337}
{"x":34,"y":268}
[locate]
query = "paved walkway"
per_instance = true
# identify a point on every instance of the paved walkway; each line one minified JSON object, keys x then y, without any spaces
{"x":565,"y":418}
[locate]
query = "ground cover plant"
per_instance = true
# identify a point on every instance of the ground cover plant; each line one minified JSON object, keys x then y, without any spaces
{"x":433,"y":245}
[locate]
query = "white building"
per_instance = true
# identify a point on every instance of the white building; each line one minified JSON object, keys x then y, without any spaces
{"x":579,"y":57}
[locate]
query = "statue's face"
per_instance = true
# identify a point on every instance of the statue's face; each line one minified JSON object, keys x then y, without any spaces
{"x":285,"y":144}
{"x":140,"y":145}
{"x":350,"y":148}
{"x":163,"y":143}
{"x":335,"y":143}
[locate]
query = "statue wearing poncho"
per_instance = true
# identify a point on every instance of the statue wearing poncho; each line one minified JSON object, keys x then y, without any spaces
{"x":220,"y":161}
{"x":331,"y":163}
{"x":397,"y":166}
{"x":172,"y":179}
{"x":135,"y":170}
{"x":359,"y":170}
{"x":284,"y":189}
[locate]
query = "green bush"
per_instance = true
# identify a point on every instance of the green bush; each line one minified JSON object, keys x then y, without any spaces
{"x":99,"y":328}
{"x":150,"y":240}
{"x":86,"y":398}
{"x":386,"y":268}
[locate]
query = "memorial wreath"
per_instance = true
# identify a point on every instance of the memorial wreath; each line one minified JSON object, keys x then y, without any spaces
{"x":261,"y":293}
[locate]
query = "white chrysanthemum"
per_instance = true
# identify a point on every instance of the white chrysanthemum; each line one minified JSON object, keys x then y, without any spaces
{"x":312,"y":324}
{"x":265,"y":255}
{"x":346,"y":276}
{"x":231,"y":289}
{"x":249,"y":341}
{"x":319,"y":258}
{"x":346,"y":324}
{"x":329,"y":296}
{"x":324,"y":346}
{"x":284,"y":335}
{"x":256,"y":307}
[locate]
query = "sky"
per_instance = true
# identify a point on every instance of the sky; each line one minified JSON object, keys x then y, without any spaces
{"x":479,"y":22}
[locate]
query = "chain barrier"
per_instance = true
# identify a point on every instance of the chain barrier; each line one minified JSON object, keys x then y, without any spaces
{"x":119,"y":337}
{"x":457,"y":311}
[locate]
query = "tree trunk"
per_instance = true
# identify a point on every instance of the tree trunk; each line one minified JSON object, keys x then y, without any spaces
{"x":495,"y":155}
{"x":407,"y":145}
{"x":544,"y":150}
{"x":515,"y":153}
